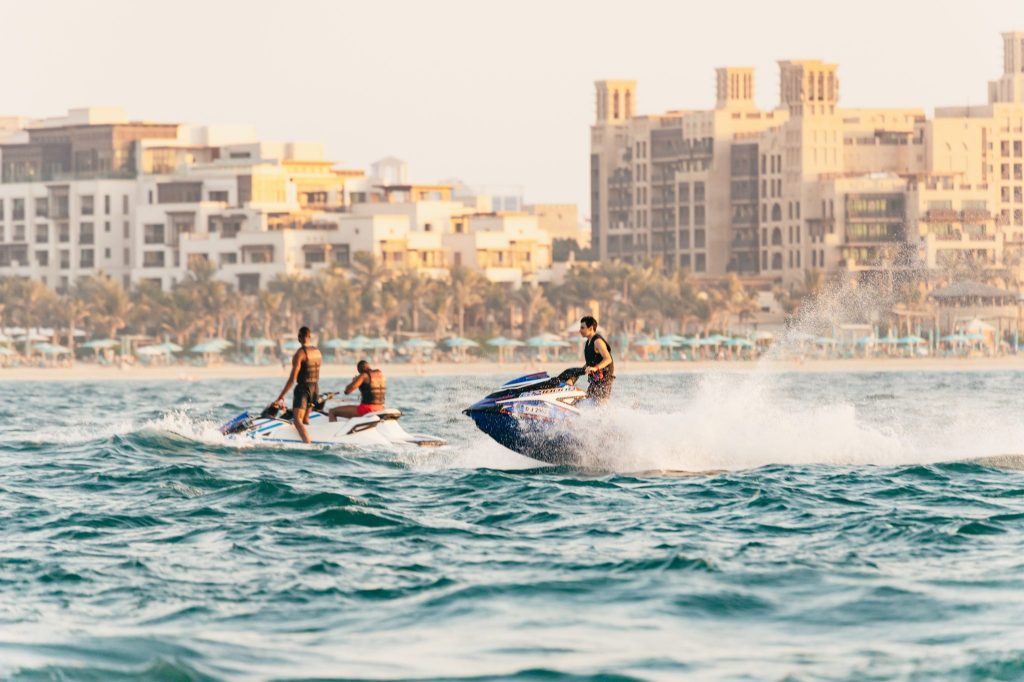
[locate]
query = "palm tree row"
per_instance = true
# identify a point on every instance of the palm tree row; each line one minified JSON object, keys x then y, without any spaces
{"x":368,"y":299}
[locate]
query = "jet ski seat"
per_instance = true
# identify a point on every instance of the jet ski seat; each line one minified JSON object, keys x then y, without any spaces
{"x":388,"y":413}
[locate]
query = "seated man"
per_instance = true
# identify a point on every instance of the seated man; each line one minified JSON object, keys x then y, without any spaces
{"x":372,"y":386}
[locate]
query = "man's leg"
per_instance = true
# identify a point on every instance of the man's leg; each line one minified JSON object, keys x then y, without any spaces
{"x":344,"y":411}
{"x":299,"y":420}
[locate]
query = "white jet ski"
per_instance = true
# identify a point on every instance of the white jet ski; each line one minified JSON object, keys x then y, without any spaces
{"x":377,"y":428}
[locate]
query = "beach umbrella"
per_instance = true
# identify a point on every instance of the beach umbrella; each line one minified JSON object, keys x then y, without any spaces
{"x":502,"y":342}
{"x":888,"y":341}
{"x":33,"y":335}
{"x":739,"y":343}
{"x":419,"y":344}
{"x":953,"y":338}
{"x":335,"y":344}
{"x":670,"y":341}
{"x":912,"y":340}
{"x":459,"y":342}
{"x":691,"y":341}
{"x":825,"y":341}
{"x":291,"y":345}
{"x":974,"y":337}
{"x":866,"y":341}
{"x":207,"y":347}
{"x":152,"y":350}
{"x":99,"y":344}
{"x":546,"y":341}
{"x":645,"y":342}
{"x":260,"y":342}
{"x":171,"y":347}
{"x":378,"y":344}
{"x":359,"y":343}
{"x":52,"y":349}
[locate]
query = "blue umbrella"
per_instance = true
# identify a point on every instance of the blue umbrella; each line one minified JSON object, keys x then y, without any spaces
{"x":259,"y":343}
{"x":912,"y":340}
{"x":291,"y":345}
{"x":502,"y":342}
{"x":419,"y":344}
{"x":670,"y":341}
{"x":97,"y":344}
{"x":378,"y":344}
{"x":739,"y":343}
{"x":359,"y":343}
{"x":546,"y":342}
{"x":335,"y":344}
{"x":207,"y":347}
{"x":459,"y":342}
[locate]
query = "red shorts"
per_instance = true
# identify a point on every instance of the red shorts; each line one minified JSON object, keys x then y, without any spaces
{"x":364,"y":410}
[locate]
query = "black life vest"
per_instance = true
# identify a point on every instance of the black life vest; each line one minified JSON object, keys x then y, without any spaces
{"x":373,"y":390}
{"x":593,"y":358}
{"x":309,"y":373}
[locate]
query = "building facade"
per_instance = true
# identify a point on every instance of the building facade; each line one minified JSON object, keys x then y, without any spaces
{"x":809,"y":185}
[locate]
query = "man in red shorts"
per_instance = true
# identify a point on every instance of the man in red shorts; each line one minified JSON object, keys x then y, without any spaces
{"x":371,"y":385}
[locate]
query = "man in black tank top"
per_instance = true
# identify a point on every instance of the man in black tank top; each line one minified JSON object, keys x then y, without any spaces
{"x":600,"y":367}
{"x":305,"y":376}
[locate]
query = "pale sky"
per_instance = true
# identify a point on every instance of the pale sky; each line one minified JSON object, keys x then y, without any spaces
{"x":492,"y":93}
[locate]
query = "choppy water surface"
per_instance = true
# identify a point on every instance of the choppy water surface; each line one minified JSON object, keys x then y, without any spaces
{"x":839,"y":539}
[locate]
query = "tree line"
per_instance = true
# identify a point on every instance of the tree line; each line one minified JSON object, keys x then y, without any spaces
{"x":367,"y":298}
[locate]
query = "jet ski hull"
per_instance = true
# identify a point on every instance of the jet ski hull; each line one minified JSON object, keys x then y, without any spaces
{"x":375,"y":429}
{"x":535,"y":415}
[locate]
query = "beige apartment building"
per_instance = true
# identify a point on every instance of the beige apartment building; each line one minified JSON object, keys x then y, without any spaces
{"x":809,"y":185}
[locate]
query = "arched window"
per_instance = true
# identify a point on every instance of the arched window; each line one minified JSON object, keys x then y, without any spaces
{"x":777,"y":261}
{"x":776,"y":212}
{"x":615,"y":105}
{"x":629,"y":104}
{"x":777,"y":237}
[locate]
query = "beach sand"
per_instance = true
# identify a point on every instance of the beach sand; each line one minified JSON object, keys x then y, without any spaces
{"x":89,"y":372}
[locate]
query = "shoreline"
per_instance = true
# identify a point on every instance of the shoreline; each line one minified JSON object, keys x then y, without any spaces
{"x":89,"y":372}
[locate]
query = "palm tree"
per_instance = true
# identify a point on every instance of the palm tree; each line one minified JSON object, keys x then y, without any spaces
{"x":30,"y":303}
{"x":537,"y":311}
{"x":465,"y":287}
{"x":110,"y":305}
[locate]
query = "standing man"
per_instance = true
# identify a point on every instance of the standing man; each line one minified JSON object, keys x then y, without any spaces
{"x":600,"y":367}
{"x":305,"y":376}
{"x":372,"y":386}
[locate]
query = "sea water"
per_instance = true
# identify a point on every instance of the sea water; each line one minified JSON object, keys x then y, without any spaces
{"x":752,"y":526}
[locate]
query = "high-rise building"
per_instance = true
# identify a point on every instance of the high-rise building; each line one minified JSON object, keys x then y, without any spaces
{"x":810,"y":184}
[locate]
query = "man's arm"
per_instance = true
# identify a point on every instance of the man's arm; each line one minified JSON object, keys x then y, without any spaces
{"x":292,"y":377}
{"x":356,"y":382}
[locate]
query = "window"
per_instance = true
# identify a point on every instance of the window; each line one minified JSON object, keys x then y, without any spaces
{"x":684,"y":192}
{"x":65,"y":259}
{"x":124,"y":204}
{"x":684,"y":260}
{"x":340,"y":254}
{"x":153,"y":259}
{"x":43,"y":258}
{"x":86,"y":204}
{"x":85,"y":258}
{"x":698,"y":215}
{"x":2,"y":232}
{"x":106,"y":204}
{"x":63,"y":232}
{"x":106,"y":253}
{"x":19,"y":233}
{"x":219,"y":196}
{"x":154,"y":234}
{"x":700,"y":263}
{"x":249,"y":283}
{"x":1017,"y":148}
{"x":698,"y":191}
{"x":1,"y":209}
{"x":684,"y":239}
{"x":106,"y":226}
{"x":699,"y":239}
{"x":228,"y":258}
{"x":42,"y":207}
{"x":42,"y":234}
{"x":127,"y":256}
{"x":18,"y":209}
{"x":127,"y":229}
{"x":85,"y":233}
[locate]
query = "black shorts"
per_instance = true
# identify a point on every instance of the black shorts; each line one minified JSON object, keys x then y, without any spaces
{"x":304,"y":397}
{"x":600,"y":391}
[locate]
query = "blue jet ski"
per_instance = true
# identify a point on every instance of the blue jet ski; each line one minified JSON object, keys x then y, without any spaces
{"x":534,"y":415}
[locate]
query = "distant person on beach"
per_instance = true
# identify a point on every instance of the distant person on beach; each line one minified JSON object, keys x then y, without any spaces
{"x":600,"y":367}
{"x":372,"y":387}
{"x":305,"y":376}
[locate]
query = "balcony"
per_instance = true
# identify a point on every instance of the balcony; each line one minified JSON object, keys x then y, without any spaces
{"x":941,"y":215}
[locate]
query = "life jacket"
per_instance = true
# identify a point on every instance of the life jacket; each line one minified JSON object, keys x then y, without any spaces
{"x":309,"y":373}
{"x":373,"y":391}
{"x":593,"y":358}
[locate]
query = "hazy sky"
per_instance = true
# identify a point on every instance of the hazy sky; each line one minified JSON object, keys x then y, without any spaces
{"x":493,"y":93}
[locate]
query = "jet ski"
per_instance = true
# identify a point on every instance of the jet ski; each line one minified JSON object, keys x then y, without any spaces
{"x":534,"y":415}
{"x":376,"y":428}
